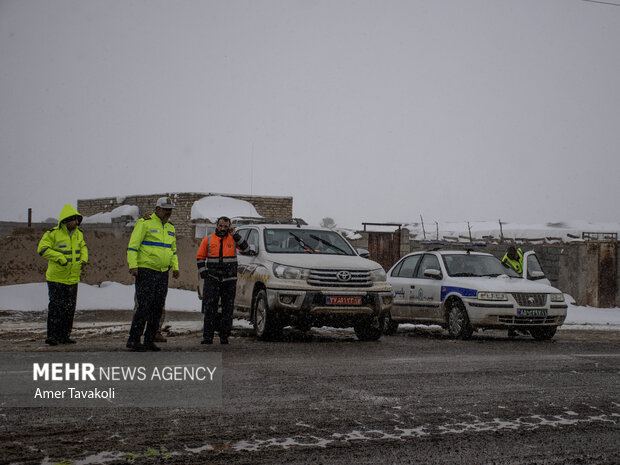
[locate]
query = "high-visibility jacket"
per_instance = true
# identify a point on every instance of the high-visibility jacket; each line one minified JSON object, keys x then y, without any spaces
{"x":218,"y":255}
{"x":516,"y":265}
{"x":153,"y":245}
{"x":64,"y":250}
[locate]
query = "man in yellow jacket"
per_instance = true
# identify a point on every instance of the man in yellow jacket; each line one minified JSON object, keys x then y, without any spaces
{"x":66,"y":252}
{"x":151,"y":253}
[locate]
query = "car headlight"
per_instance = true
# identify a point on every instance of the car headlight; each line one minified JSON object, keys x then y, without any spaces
{"x":290,"y":272}
{"x":492,"y":296}
{"x":378,"y":275}
{"x":557,"y":297}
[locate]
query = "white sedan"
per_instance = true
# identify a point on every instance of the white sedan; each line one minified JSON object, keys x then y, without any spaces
{"x":464,"y":291}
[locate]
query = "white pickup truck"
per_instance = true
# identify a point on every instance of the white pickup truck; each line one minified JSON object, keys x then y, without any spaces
{"x":308,"y":276}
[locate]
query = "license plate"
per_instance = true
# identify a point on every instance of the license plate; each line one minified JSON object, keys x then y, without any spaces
{"x":532,"y":312}
{"x":343,"y":300}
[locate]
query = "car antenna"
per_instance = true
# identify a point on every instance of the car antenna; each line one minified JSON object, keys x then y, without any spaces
{"x":297,"y":222}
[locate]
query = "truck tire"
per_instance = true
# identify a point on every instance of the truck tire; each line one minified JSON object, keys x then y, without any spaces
{"x":369,"y":329}
{"x":389,"y":326}
{"x":265,"y":324}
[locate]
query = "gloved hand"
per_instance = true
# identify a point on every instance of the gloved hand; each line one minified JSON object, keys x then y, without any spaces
{"x":203,"y":274}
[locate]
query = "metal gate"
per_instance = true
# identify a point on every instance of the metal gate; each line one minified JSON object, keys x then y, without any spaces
{"x":384,"y":247}
{"x":607,"y":283}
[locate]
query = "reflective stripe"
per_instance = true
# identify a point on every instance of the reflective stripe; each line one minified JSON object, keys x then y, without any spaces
{"x":65,"y":252}
{"x":133,"y":250}
{"x":43,"y":250}
{"x":222,"y":260}
{"x":157,"y":244}
{"x":201,"y":269}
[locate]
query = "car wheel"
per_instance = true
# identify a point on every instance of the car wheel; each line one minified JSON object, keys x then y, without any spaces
{"x":369,"y":329}
{"x":459,"y":326}
{"x":265,"y":324}
{"x":389,"y":326}
{"x":543,"y":333}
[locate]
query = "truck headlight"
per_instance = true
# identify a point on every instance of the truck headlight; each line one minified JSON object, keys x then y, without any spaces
{"x":290,"y":272}
{"x":492,"y":296}
{"x":377,"y":275}
{"x":557,"y":297}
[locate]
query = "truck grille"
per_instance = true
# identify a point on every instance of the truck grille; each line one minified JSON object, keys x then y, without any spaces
{"x":525,"y":299}
{"x":330,"y":278}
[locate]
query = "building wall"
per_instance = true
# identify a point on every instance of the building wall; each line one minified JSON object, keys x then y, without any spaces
{"x":268,"y":207}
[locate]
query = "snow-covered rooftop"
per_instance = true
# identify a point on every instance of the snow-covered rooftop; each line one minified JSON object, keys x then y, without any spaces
{"x":123,"y":210}
{"x":212,"y":207}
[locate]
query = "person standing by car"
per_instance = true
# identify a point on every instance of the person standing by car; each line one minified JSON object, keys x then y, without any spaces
{"x":217,"y":265}
{"x":513,"y":258}
{"x":66,"y":252}
{"x":151,"y":253}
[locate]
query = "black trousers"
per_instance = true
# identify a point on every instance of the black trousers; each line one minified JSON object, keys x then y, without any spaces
{"x":214,"y":289}
{"x":61,"y":309}
{"x":151,"y":291}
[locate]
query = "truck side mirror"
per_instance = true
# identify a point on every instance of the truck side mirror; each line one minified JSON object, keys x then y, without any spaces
{"x":363,"y":253}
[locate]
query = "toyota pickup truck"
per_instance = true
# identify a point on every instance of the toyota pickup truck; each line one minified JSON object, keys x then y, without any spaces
{"x":305,"y":277}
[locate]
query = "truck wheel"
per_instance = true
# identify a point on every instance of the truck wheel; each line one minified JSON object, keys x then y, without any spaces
{"x":369,"y":329}
{"x":543,"y":333}
{"x":389,"y":326}
{"x":458,"y":321}
{"x":265,"y":325}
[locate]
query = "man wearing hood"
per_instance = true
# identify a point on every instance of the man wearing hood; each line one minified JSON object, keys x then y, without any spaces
{"x":66,"y":252}
{"x":217,"y":264}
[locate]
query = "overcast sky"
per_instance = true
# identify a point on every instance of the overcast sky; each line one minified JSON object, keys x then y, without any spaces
{"x":360,"y":110}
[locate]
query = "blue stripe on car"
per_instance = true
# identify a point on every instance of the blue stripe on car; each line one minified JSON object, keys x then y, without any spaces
{"x":445,"y":290}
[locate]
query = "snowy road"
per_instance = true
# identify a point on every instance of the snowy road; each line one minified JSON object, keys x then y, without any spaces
{"x":417,"y":397}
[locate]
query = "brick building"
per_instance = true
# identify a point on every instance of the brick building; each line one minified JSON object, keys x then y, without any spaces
{"x":266,"y":206}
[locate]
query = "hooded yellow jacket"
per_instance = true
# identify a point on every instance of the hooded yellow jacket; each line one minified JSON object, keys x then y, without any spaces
{"x":153,"y":245}
{"x":65,"y":252}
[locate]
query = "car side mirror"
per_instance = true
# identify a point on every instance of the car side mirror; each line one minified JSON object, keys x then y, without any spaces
{"x":432,"y":273}
{"x":363,"y":253}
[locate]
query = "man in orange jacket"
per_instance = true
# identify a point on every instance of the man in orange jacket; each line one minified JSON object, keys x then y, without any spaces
{"x":217,"y":264}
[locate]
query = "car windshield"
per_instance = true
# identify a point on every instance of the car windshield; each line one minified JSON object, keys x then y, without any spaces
{"x":297,"y":240}
{"x":476,"y":265}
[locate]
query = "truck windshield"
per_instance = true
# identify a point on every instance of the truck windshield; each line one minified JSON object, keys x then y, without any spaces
{"x":476,"y":265}
{"x":297,"y":240}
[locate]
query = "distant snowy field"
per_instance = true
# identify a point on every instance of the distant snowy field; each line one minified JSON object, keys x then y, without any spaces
{"x":115,"y":296}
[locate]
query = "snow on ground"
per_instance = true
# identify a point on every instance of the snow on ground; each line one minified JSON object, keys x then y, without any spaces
{"x":115,"y":296}
{"x":212,"y":207}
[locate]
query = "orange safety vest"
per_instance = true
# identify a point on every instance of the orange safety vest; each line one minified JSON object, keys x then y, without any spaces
{"x":218,"y":256}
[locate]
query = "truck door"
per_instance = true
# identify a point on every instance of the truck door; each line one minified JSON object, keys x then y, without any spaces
{"x":245,"y":271}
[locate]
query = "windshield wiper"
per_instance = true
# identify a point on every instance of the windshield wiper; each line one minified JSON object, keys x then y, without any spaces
{"x":302,"y":243}
{"x":464,"y":274}
{"x":328,"y":244}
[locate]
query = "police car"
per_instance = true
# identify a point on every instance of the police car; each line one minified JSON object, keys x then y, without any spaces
{"x":464,"y":291}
